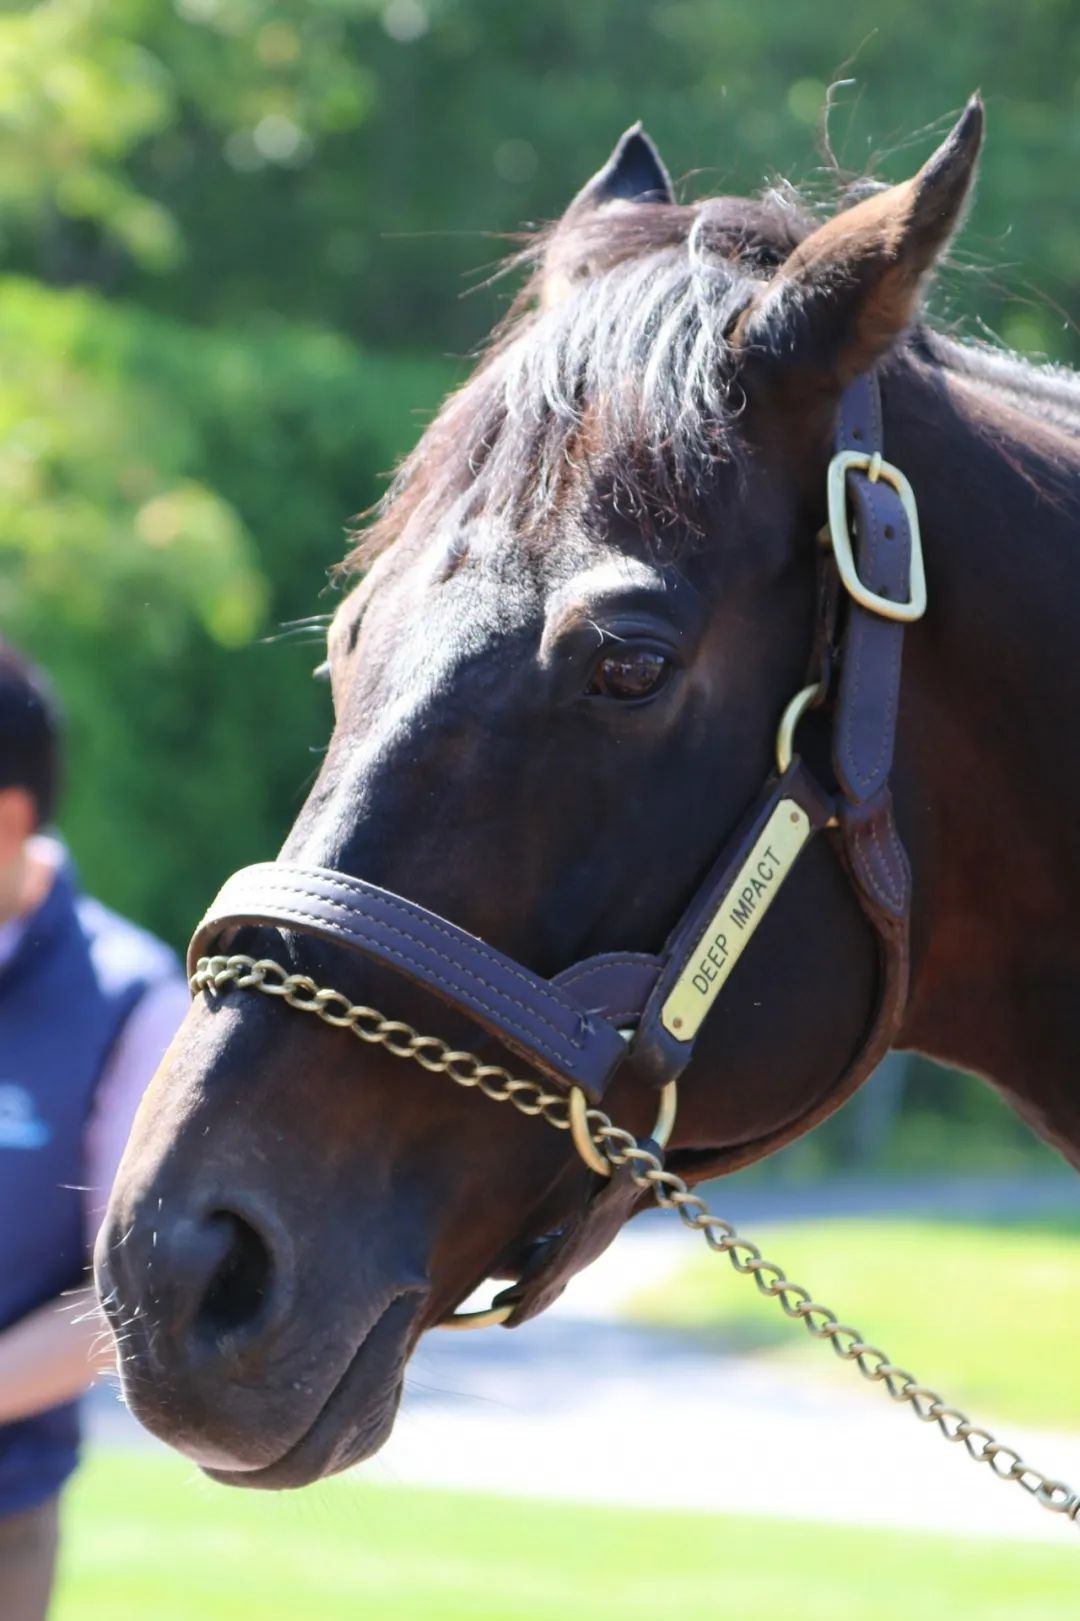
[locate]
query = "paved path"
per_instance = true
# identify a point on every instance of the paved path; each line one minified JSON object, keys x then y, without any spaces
{"x":580,"y":1406}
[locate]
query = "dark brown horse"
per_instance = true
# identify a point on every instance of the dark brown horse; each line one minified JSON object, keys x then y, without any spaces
{"x":589,"y":598}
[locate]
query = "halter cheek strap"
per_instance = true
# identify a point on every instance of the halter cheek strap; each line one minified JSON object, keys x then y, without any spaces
{"x":871,"y":586}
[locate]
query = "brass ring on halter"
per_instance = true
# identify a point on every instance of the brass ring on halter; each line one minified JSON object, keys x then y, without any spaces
{"x":578,"y":1109}
{"x":490,"y":1316}
{"x":793,"y":714}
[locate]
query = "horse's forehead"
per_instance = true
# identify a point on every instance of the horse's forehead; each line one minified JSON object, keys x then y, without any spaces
{"x":469,"y":587}
{"x":457,"y":588}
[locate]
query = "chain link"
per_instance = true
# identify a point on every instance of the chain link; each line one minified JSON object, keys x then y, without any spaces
{"x":214,"y":974}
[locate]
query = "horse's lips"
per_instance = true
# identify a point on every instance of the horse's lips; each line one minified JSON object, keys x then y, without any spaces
{"x":336,"y":1438}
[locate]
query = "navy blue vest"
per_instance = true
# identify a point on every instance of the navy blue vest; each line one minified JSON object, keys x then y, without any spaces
{"x":75,"y":977}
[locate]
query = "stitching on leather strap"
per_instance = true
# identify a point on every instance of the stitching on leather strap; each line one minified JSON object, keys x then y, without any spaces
{"x":870,"y":874}
{"x":903,"y":868}
{"x":863,"y":623}
{"x":580,"y":972}
{"x":393,"y":903}
{"x":278,"y":886}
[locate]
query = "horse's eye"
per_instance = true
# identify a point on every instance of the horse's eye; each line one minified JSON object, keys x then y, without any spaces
{"x":632,"y":672}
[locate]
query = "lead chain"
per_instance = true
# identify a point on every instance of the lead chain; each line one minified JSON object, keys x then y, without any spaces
{"x":213,"y":974}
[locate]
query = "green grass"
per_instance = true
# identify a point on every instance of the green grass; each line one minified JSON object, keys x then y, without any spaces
{"x":988,"y":1315}
{"x":148,"y":1540}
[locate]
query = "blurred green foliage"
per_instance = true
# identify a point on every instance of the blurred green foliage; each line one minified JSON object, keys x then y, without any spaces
{"x":340,"y":160}
{"x":163,"y":489}
{"x":235,"y":236}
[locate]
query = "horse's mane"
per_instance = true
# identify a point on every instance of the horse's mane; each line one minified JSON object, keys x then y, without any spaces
{"x":624,"y":378}
{"x":1048,"y":392}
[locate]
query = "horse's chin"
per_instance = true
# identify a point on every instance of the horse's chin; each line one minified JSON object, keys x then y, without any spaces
{"x":354,"y":1421}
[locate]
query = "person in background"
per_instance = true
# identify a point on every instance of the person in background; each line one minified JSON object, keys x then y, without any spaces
{"x":88,"y":1004}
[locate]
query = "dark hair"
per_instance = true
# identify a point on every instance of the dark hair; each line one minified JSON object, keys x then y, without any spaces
{"x":29,"y":732}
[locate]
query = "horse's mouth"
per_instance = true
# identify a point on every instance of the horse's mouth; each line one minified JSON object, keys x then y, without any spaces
{"x":356,"y":1417}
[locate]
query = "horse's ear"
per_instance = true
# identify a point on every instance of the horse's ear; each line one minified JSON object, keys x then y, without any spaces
{"x":579,"y":245}
{"x":634,"y":173}
{"x":846,"y":293}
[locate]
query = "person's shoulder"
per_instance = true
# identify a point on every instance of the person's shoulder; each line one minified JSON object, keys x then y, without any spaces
{"x":123,"y":952}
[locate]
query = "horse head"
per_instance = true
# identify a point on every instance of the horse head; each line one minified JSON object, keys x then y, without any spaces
{"x":557,"y":675}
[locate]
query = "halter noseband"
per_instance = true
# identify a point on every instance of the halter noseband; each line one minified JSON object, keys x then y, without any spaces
{"x":579,"y":1027}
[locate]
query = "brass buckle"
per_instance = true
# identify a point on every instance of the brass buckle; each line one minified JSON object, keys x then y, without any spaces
{"x":843,"y":463}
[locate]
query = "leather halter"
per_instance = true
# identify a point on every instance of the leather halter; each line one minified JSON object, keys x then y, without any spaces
{"x":570,"y":1028}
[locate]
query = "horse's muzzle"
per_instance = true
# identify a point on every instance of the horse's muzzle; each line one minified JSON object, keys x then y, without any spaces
{"x":212,"y":1350}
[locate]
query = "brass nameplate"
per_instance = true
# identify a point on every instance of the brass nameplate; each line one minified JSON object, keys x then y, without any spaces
{"x":725,"y":936}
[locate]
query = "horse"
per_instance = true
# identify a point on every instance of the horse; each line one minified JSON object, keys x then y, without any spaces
{"x":568,"y":638}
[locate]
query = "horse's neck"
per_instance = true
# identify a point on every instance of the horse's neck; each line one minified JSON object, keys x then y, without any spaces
{"x":988,"y":773}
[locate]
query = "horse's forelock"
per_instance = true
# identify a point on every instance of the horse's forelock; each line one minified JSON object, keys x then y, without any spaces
{"x":620,"y":378}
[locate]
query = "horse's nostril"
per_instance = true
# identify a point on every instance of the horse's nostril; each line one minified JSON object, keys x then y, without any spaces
{"x":239,"y":1286}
